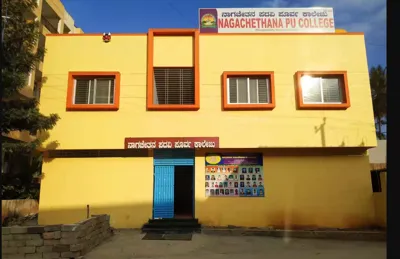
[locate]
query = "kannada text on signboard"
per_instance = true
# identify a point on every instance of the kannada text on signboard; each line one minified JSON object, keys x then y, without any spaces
{"x":163,"y":143}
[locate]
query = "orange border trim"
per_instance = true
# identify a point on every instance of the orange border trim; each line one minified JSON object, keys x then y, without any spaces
{"x":150,"y":69}
{"x":92,"y":107}
{"x":299,"y":91}
{"x":244,"y":107}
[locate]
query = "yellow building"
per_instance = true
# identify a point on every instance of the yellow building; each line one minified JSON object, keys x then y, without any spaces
{"x":249,"y":130}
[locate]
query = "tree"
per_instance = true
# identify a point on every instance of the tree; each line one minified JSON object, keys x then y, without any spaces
{"x":22,"y":182}
{"x":378,"y":82}
{"x":20,"y":55}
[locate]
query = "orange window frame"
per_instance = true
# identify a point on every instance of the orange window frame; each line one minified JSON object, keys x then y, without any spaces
{"x":150,"y":69}
{"x":239,"y":106}
{"x":322,"y":106}
{"x":92,"y":107}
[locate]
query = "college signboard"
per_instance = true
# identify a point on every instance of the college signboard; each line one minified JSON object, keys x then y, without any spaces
{"x":266,"y":20}
{"x":152,"y":143}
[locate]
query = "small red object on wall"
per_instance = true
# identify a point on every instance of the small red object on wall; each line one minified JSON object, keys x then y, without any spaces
{"x":107,"y":37}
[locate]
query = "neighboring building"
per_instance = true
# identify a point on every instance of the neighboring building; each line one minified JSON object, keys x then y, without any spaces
{"x":53,"y":19}
{"x":377,"y":159}
{"x":156,"y":125}
{"x":377,"y":156}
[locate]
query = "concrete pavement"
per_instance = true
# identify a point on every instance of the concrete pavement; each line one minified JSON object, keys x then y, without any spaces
{"x":127,"y":244}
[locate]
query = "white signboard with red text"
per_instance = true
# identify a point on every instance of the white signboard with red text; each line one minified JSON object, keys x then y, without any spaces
{"x":266,"y":20}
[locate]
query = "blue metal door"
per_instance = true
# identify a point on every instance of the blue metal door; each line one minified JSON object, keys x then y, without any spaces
{"x":163,"y":204}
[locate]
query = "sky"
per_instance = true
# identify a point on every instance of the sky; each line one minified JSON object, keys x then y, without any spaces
{"x":137,"y":16}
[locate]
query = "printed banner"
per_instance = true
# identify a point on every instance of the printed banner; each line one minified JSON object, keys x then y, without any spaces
{"x":239,"y":175}
{"x":151,"y":143}
{"x":267,"y":20}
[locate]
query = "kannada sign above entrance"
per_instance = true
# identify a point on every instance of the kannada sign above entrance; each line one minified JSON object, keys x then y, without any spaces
{"x":266,"y":20}
{"x":150,"y":143}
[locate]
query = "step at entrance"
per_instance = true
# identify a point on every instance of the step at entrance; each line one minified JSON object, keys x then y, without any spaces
{"x":172,"y":226}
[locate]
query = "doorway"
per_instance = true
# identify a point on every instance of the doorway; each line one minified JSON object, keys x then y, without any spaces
{"x":173,"y":194}
{"x":183,"y":191}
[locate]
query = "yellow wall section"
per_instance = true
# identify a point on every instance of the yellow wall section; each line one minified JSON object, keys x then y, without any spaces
{"x":332,"y":191}
{"x":283,"y":127}
{"x":306,"y":191}
{"x":173,"y":51}
{"x":122,"y":187}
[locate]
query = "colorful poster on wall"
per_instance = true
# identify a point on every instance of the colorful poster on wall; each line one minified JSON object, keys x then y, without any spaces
{"x":237,"y":175}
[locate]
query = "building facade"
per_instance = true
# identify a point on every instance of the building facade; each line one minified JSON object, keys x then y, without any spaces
{"x":249,"y":130}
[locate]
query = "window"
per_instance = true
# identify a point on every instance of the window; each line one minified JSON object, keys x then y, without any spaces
{"x":322,"y":90}
{"x":29,"y":78}
{"x":318,"y":89}
{"x":5,"y":157}
{"x":14,"y":164}
{"x":376,"y":181}
{"x":93,"y":91}
{"x":248,"y":90}
{"x":174,"y":86}
{"x":36,"y":91}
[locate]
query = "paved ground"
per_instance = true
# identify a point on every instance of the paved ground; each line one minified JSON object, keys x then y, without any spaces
{"x":127,"y":244}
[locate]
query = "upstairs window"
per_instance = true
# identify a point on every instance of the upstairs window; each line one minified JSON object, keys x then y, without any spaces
{"x":93,"y":91}
{"x":174,"y":86}
{"x":37,"y":90}
{"x":323,"y":90}
{"x":248,"y":90}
